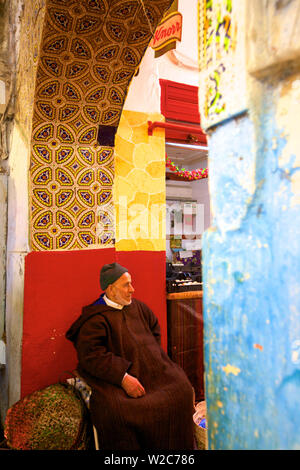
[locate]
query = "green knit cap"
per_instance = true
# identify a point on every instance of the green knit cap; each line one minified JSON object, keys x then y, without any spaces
{"x":110,"y":273}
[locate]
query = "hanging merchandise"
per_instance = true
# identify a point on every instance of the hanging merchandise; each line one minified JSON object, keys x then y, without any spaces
{"x":191,"y":175}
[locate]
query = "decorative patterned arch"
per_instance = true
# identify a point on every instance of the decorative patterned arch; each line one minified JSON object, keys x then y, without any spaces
{"x":89,"y":52}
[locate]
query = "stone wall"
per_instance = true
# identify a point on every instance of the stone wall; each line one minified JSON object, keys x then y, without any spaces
{"x":251,"y":254}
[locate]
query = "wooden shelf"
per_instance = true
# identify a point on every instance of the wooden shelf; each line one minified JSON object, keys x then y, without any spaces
{"x":193,"y":294}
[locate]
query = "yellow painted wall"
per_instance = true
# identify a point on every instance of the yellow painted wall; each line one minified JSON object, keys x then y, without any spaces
{"x":139,"y":185}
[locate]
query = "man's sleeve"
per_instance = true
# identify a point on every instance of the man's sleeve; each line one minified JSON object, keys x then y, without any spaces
{"x":152,"y":322}
{"x":93,"y":355}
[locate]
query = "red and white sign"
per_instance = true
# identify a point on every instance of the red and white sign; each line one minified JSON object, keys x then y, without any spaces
{"x":168,"y":30}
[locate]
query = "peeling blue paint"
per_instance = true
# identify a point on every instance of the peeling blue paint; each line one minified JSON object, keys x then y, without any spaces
{"x":251,"y":270}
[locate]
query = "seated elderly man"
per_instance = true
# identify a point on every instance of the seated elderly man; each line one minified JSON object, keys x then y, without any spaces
{"x":140,"y":398}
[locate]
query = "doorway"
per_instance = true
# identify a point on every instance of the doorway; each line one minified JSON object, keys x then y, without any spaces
{"x":187,"y":217}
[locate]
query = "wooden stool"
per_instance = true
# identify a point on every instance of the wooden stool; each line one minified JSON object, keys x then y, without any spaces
{"x":85,"y":391}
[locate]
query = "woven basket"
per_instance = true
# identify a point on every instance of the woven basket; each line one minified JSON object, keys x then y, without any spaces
{"x":201,"y":437}
{"x":54,"y":418}
{"x":200,"y":433}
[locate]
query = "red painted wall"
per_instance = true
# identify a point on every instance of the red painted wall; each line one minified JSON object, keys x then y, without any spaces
{"x":57,"y":285}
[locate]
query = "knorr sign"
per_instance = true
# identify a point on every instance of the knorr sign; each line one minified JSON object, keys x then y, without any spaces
{"x":167,"y":31}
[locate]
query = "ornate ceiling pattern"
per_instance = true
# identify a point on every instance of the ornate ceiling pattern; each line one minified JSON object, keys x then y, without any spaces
{"x":89,"y":52}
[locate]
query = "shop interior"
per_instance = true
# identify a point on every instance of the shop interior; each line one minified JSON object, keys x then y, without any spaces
{"x":188,"y":211}
{"x":187,"y":216}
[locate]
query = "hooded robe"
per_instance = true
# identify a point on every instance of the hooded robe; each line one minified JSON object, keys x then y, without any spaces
{"x":111,"y":342}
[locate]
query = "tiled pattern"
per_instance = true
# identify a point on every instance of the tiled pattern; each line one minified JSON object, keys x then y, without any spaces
{"x":89,"y":52}
{"x":222,"y":90}
{"x":139,"y":189}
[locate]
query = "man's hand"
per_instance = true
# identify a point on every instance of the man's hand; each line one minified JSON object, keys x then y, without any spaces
{"x":132,"y":386}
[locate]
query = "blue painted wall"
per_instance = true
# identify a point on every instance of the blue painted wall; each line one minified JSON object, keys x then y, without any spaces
{"x":251,"y":263}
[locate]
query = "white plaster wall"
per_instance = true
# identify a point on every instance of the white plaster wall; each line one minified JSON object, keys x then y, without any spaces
{"x":14,"y":323}
{"x":144,"y":91}
{"x":2,"y":96}
{"x":18,"y":193}
{"x":13,"y":183}
{"x":3,"y":216}
{"x":17,"y":248}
